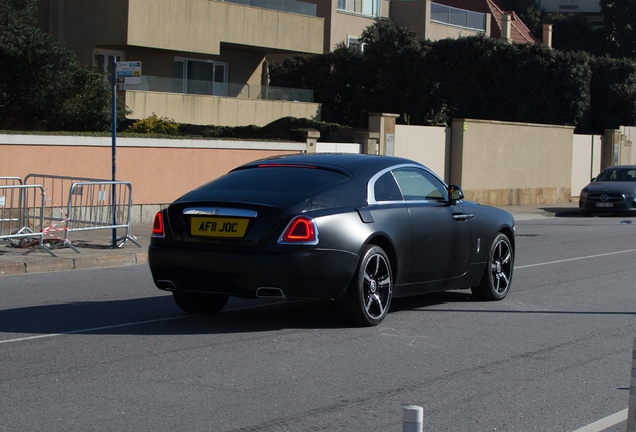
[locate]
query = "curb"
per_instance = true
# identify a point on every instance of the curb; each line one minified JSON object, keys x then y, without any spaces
{"x":81,"y":263}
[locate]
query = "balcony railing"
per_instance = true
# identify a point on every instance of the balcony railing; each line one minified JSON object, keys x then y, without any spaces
{"x":209,"y":88}
{"x":459,"y":17}
{"x":291,"y":6}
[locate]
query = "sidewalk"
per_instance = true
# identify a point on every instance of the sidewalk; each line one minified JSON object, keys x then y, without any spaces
{"x":97,"y":250}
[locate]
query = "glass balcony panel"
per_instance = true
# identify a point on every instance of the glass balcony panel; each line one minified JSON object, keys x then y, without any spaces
{"x":458,"y":17}
{"x":439,"y":12}
{"x":476,"y":20}
{"x":210,"y":88}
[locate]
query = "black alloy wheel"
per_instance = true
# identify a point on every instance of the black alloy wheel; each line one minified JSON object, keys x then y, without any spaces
{"x":368,"y":298}
{"x":199,"y":303}
{"x":495,"y":284}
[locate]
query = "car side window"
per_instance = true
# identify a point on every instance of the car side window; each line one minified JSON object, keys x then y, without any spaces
{"x":419,"y":185}
{"x":386,"y":189}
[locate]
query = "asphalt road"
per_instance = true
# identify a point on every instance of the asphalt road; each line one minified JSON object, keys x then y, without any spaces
{"x":103,"y":350}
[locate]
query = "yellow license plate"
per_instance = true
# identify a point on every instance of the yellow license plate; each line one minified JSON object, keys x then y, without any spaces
{"x":218,"y":226}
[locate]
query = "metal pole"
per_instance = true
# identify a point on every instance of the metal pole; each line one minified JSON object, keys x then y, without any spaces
{"x":412,"y":418}
{"x":114,"y":161}
{"x":631,"y":410}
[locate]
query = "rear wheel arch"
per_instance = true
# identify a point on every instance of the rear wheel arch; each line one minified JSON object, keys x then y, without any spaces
{"x":389,"y":249}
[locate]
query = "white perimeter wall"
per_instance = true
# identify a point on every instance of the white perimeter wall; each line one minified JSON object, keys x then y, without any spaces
{"x":428,"y":145}
{"x":586,"y":161}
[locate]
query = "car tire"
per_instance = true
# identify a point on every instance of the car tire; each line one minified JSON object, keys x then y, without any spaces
{"x":495,"y":283}
{"x":368,"y":298}
{"x":199,"y":303}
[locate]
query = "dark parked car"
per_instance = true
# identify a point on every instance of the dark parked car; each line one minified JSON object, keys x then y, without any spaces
{"x":357,"y":229}
{"x":612,"y":191}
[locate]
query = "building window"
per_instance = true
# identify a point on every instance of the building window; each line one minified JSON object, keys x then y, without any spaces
{"x":205,"y":77}
{"x":362,"y":7}
{"x":355,"y":43}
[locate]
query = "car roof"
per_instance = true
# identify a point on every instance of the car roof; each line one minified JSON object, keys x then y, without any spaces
{"x":355,"y":164}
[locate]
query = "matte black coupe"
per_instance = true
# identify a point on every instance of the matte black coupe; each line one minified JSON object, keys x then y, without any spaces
{"x":356,"y":229}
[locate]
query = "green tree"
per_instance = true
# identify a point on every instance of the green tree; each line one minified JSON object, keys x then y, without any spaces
{"x":619,"y":18}
{"x":428,"y":82}
{"x":613,"y":94}
{"x":528,"y":11}
{"x":42,"y":80}
{"x":573,"y":32}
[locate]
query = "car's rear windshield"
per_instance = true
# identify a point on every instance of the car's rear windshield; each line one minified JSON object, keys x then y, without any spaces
{"x":278,"y":178}
{"x":619,"y":174}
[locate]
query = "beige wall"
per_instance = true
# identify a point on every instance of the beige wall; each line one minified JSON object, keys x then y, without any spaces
{"x":195,"y":26}
{"x":630,"y":137}
{"x":345,"y":24}
{"x":214,"y":110}
{"x":201,"y":26}
{"x":586,"y":160}
{"x":495,"y":163}
{"x":427,"y":145}
{"x":160,"y":171}
{"x":503,"y":163}
{"x":340,"y":24}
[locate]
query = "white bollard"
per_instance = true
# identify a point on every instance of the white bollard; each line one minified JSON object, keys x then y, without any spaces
{"x":412,"y":418}
{"x":631,"y":411}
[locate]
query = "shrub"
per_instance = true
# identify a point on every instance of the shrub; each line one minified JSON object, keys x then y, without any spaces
{"x":156,"y":125}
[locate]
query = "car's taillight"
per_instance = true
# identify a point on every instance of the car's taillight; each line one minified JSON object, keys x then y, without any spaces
{"x":157,"y":226}
{"x":301,"y":230}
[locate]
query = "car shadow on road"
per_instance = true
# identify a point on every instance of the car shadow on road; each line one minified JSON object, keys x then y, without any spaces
{"x":561,"y":212}
{"x":159,"y":316}
{"x":568,"y":212}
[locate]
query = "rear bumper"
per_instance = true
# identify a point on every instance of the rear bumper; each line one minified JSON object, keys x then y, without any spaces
{"x":301,"y":273}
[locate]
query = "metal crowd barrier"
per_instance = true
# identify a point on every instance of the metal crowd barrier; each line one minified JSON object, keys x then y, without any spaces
{"x":90,"y":207}
{"x":10,"y":181}
{"x":13,"y":223}
{"x":75,"y":204}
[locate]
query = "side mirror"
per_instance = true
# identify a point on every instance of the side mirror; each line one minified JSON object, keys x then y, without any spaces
{"x":455,"y":193}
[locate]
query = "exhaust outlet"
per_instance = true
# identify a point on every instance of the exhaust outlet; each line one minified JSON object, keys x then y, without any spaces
{"x":166,"y":285}
{"x":270,"y":293}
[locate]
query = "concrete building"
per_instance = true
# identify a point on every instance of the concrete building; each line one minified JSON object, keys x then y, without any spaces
{"x":202,"y":61}
{"x":456,"y":18}
{"x":205,"y":61}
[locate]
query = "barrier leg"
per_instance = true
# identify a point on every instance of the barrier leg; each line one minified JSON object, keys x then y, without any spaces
{"x":412,"y":418}
{"x":631,"y":411}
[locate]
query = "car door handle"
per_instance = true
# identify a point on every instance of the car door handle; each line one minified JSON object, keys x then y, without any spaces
{"x":463,"y":216}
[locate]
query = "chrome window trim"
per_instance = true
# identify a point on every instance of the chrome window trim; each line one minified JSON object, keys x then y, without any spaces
{"x":371,"y":185}
{"x":220,"y":211}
